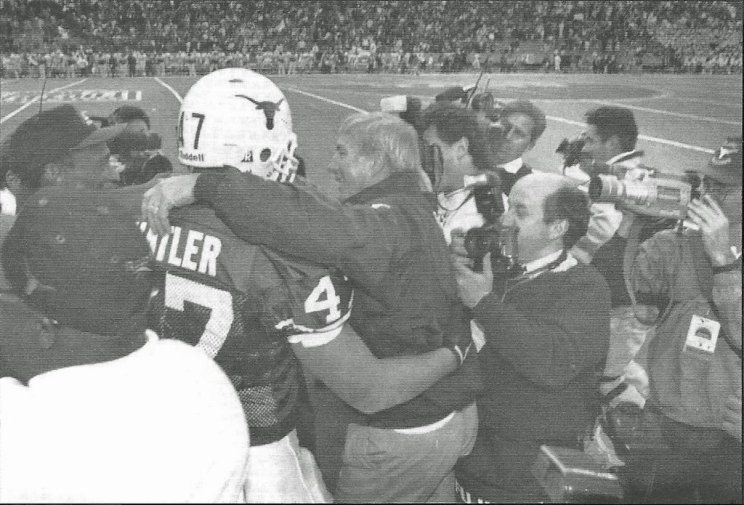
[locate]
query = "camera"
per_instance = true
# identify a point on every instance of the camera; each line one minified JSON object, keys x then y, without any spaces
{"x":571,"y":476}
{"x":645,"y":191}
{"x":493,"y":237}
{"x":571,"y":150}
{"x":499,"y":240}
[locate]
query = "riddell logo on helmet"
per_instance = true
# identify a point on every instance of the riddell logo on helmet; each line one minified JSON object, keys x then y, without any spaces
{"x":189,"y":156}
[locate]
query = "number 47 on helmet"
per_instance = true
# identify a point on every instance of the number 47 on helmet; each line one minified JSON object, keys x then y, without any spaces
{"x":238,"y":118}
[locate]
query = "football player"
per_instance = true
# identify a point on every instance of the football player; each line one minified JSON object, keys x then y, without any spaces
{"x":250,"y":307}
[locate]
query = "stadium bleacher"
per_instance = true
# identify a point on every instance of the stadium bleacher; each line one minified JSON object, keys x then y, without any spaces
{"x":80,"y":37}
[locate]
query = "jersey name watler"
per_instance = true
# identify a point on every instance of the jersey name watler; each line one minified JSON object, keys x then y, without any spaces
{"x":189,"y":249}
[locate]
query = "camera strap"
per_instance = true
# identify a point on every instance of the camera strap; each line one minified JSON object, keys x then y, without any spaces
{"x":631,"y":250}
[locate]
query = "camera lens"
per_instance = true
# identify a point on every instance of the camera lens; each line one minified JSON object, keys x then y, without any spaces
{"x":604,"y":188}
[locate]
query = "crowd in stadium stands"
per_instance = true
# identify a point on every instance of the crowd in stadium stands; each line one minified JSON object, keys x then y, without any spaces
{"x":83,"y":37}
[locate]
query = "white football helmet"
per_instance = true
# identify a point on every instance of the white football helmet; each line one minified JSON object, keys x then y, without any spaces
{"x":239,"y":118}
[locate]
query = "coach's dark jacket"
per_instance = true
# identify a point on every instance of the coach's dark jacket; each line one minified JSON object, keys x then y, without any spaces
{"x":387,"y":241}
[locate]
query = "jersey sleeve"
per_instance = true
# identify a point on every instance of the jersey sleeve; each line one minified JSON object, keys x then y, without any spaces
{"x":309,"y":310}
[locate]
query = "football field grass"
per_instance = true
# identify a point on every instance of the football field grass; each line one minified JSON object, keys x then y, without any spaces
{"x":681,"y":118}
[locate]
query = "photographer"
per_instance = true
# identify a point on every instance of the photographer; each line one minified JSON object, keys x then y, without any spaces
{"x":546,"y":331}
{"x":694,"y":357}
{"x":454,"y":142}
{"x":137,"y":150}
{"x":522,"y":123}
{"x":459,"y":143}
{"x":609,"y":141}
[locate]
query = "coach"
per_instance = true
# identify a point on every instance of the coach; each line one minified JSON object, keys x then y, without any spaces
{"x":546,"y":331}
{"x":385,"y":238}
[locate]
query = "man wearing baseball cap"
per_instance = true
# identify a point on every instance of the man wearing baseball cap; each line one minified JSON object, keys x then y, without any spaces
{"x":94,"y":407}
{"x":58,"y":146}
{"x":693,"y":356}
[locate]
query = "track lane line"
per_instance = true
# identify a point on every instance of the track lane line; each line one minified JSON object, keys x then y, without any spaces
{"x":36,"y":98}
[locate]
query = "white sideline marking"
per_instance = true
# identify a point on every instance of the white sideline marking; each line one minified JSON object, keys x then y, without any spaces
{"x":644,"y":137}
{"x":669,"y":113}
{"x":552,"y":118}
{"x":169,"y":88}
{"x":35,"y":99}
{"x":700,"y":100}
{"x":324,"y":99}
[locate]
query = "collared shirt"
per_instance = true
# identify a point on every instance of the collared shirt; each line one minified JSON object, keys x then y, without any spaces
{"x":513,"y":166}
{"x":628,"y":156}
{"x":457,"y":210}
{"x":162,"y":424}
{"x":533,"y":265}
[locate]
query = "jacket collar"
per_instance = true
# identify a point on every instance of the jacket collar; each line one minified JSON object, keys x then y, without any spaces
{"x":630,"y":155}
{"x":404,"y":183}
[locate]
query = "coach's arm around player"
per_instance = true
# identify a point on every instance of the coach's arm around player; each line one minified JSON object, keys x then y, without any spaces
{"x":369,"y":384}
{"x":385,"y":238}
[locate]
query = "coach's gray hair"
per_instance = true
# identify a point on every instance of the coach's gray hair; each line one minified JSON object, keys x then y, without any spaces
{"x":389,"y":141}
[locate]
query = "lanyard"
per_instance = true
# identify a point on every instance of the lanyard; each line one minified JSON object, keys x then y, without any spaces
{"x":510,"y":284}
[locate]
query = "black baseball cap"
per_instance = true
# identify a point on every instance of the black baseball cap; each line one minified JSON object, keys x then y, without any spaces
{"x":725,"y":164}
{"x":49,"y":135}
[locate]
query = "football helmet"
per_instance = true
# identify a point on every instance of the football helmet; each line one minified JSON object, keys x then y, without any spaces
{"x":239,"y":118}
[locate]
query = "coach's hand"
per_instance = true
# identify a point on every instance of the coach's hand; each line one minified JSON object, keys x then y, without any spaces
{"x":170,"y":192}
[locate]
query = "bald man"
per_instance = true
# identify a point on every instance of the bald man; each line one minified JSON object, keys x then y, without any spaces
{"x":547,"y":329}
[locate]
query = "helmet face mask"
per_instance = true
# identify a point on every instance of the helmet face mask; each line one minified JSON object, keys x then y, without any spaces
{"x":235,"y":117}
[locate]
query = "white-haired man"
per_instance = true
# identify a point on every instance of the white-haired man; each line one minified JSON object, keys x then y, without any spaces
{"x":386,"y":239}
{"x":251,"y":307}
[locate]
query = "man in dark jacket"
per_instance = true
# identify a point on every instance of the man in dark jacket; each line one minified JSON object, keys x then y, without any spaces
{"x":547,"y":333}
{"x":386,"y":239}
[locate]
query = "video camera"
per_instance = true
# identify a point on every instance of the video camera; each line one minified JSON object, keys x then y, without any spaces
{"x":645,"y":191}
